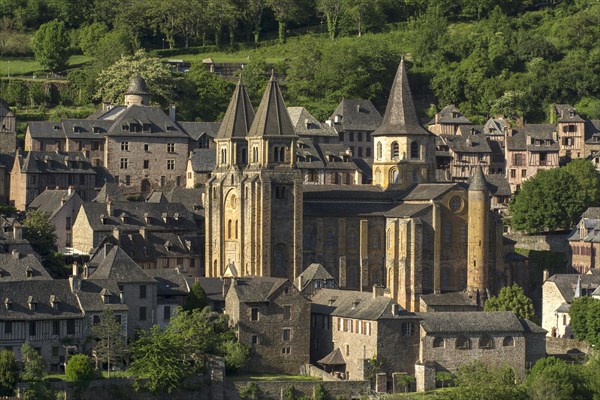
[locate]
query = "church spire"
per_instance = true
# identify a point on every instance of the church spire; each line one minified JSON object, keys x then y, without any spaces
{"x":478,"y":182}
{"x":272,"y":118}
{"x":400,"y":116}
{"x":239,"y":115}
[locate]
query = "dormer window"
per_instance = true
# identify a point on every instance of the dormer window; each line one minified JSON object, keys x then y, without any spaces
{"x":8,"y":304}
{"x":124,"y":218}
{"x":571,"y":114}
{"x":165,"y":217}
{"x":96,"y":129}
{"x":29,"y":272}
{"x":76,"y":129}
{"x":146,"y":218}
{"x":133,"y":128}
{"x":176,"y":216}
{"x":124,"y":127}
{"x":168,"y":246}
{"x":146,"y":128}
{"x":55,"y":302}
{"x":103,"y":219}
{"x":32,"y":303}
{"x":105,"y":296}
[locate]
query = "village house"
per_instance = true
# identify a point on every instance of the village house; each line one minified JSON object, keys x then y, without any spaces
{"x":314,"y":278}
{"x":571,"y":131}
{"x":584,"y":242}
{"x":447,"y":121}
{"x":308,"y":128}
{"x":273,"y":318}
{"x":355,"y":120}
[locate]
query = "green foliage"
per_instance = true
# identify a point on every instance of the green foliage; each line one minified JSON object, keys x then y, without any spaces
{"x":236,"y":355}
{"x":445,"y":377}
{"x":512,"y":298}
{"x":196,"y":299}
{"x":39,"y":391}
{"x":551,"y":378}
{"x":320,"y":393}
{"x":405,"y":380}
{"x":39,"y":231}
{"x":90,"y":36}
{"x":555,"y":198}
{"x":50,"y":45}
{"x":203,"y":95}
{"x":9,"y":372}
{"x":249,"y":392}
{"x":110,"y":343}
{"x":113,"y":82}
{"x":478,"y":381}
{"x":289,"y":394}
{"x":585,"y":319}
{"x":80,"y":370}
{"x":34,"y":366}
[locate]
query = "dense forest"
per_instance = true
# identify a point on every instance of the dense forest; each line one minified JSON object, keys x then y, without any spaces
{"x":487,"y":57}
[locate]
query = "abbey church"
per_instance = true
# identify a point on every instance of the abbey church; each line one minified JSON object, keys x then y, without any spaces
{"x":405,"y":232}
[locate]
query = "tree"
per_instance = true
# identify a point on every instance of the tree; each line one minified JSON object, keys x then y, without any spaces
{"x":363,"y":13}
{"x":34,"y":366}
{"x":113,"y":81}
{"x":478,"y":381}
{"x":512,"y":298}
{"x":158,"y":357}
{"x":236,"y":355}
{"x":552,"y":199}
{"x":513,"y":104}
{"x":51,"y":45}
{"x":405,"y":380}
{"x":196,"y":299}
{"x":332,"y":10}
{"x":9,"y":373}
{"x":253,"y":13}
{"x":90,"y":35}
{"x":585,"y":319}
{"x":79,"y":369}
{"x":552,"y":378}
{"x":39,"y":231}
{"x":444,"y":376}
{"x":285,"y":11}
{"x":586,"y":174}
{"x":110,"y":343}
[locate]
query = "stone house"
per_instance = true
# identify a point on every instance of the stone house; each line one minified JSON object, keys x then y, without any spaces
{"x":592,"y":141}
{"x":200,"y":164}
{"x":314,"y":278}
{"x":584,"y":242}
{"x":558,"y":292}
{"x":327,"y":164}
{"x":355,"y":120}
{"x":172,"y":289}
{"x":446,"y":302}
{"x":11,"y":237}
{"x":8,"y":129}
{"x":447,"y":121}
{"x":458,"y":155}
{"x":61,"y":207}
{"x":37,"y":171}
{"x":361,"y":327}
{"x":571,"y":131}
{"x":529,"y":149}
{"x":271,"y":317}
{"x":449,"y":340}
{"x":308,"y":128}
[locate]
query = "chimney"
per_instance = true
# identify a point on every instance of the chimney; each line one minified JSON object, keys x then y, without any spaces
{"x":329,"y":122}
{"x":121,"y":294}
{"x":358,"y":108}
{"x":116,"y":233}
{"x":146,"y":218}
{"x":17,"y":231}
{"x":109,"y":208}
{"x":172,"y":111}
{"x":70,"y":190}
{"x":299,"y":282}
{"x":546,"y":275}
{"x":15,"y":254}
{"x":143,"y":232}
{"x":75,"y":283}
{"x":378,"y":291}
{"x":176,"y":216}
{"x":395,"y":309}
{"x":165,"y":217}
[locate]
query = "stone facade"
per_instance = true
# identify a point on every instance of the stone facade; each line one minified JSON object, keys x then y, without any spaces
{"x":271,"y":317}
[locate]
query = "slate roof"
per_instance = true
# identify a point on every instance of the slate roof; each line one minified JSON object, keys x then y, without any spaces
{"x":155,"y":245}
{"x":494,"y":126}
{"x":477,"y":181}
{"x":498,"y":185}
{"x":407,"y":210}
{"x":257,"y":289}
{"x":86,"y":128}
{"x":306,"y":125}
{"x":43,"y":292}
{"x":159,"y":123}
{"x":203,"y":160}
{"x":46,"y":162}
{"x":467,"y":143}
{"x":111,"y":191}
{"x":13,"y":269}
{"x":190,"y":198}
{"x":118,"y":266}
{"x":355,"y":304}
{"x":169,"y":282}
{"x":542,"y":132}
{"x":356,"y":115}
{"x":470,"y":322}
{"x":109,"y":114}
{"x":196,"y":129}
{"x":450,"y":115}
{"x":566,"y":113}
{"x":137,"y":85}
{"x":50,"y":201}
{"x":45,"y":130}
{"x":91,"y":299}
{"x":470,"y":130}
{"x":591,"y":223}
{"x":272,"y":118}
{"x":566,"y":283}
{"x":428,"y":191}
{"x":333,"y":358}
{"x":213,"y":287}
{"x":448,"y":299}
{"x":314,"y":272}
{"x":134,"y":213}
{"x":239,"y":115}
{"x":400,"y":116}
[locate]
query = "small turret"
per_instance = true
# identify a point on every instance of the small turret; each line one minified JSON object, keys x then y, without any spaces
{"x":137,"y":92}
{"x":478,"y":237}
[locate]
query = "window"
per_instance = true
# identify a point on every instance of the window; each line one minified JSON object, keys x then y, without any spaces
{"x":286,"y":350}
{"x":523,"y":173}
{"x":142,"y":291}
{"x":463,"y":343}
{"x":254,"y":339}
{"x":518,"y":160}
{"x":255,"y":154}
{"x":54,"y":351}
{"x":486,"y":342}
{"x":508,"y":341}
{"x":360,"y":151}
{"x":127,"y":180}
{"x":70,"y":327}
{"x":414,"y":151}
{"x":170,"y":165}
{"x":31,"y":328}
{"x":95,"y":319}
{"x":330,"y":238}
{"x":124,"y":146}
{"x":146,"y":147}
{"x":513,"y":173}
{"x":408,"y":329}
{"x":347,"y":350}
{"x":142,"y":313}
{"x":68,"y":223}
{"x":286,"y":334}
{"x":146,"y":164}
{"x":395,"y":151}
{"x":170,"y":147}
{"x":379,"y":150}
{"x":368,"y":152}
{"x":124,"y":163}
{"x":287,"y":312}
{"x":438,"y":342}
{"x":254,"y":314}
{"x":167,"y":313}
{"x":360,"y":136}
{"x":8,"y":328}
{"x":351,"y":136}
{"x":56,"y":327}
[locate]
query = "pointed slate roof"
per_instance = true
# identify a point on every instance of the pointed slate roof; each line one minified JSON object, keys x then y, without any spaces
{"x":239,"y":115}
{"x":272,"y":118}
{"x":478,"y":180}
{"x":119,"y":266}
{"x":333,"y":358}
{"x":400,"y":116}
{"x":137,"y":85}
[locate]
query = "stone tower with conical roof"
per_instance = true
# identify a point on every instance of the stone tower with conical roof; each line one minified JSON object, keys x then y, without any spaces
{"x":225,"y":201}
{"x":137,"y":92}
{"x":404,"y":151}
{"x":478,"y":237}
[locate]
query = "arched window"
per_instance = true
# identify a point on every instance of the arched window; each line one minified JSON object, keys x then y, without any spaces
{"x":223,"y":156}
{"x":379,"y":151}
{"x":395,"y":151}
{"x":414,"y":151}
{"x":564,"y":319}
{"x":463,"y":343}
{"x":215,"y":268}
{"x":486,"y":342}
{"x":508,"y":341}
{"x":255,"y":154}
{"x":236,"y":228}
{"x":378,"y":175}
{"x":438,"y":342}
{"x":229,"y":229}
{"x":389,"y":238}
{"x":394,"y":177}
{"x":275,"y":154}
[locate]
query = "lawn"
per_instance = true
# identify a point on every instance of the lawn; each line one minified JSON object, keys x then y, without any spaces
{"x":430,"y":395}
{"x":27,"y":66}
{"x":268,"y":377}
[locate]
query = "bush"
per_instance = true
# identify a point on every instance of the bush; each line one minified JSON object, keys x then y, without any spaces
{"x":249,"y":392}
{"x":80,"y":369}
{"x":9,"y":373}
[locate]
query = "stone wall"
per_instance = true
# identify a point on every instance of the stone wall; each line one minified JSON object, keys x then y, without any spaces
{"x":311,"y":370}
{"x":272,"y":390}
{"x":554,"y":242}
{"x":566,"y":346}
